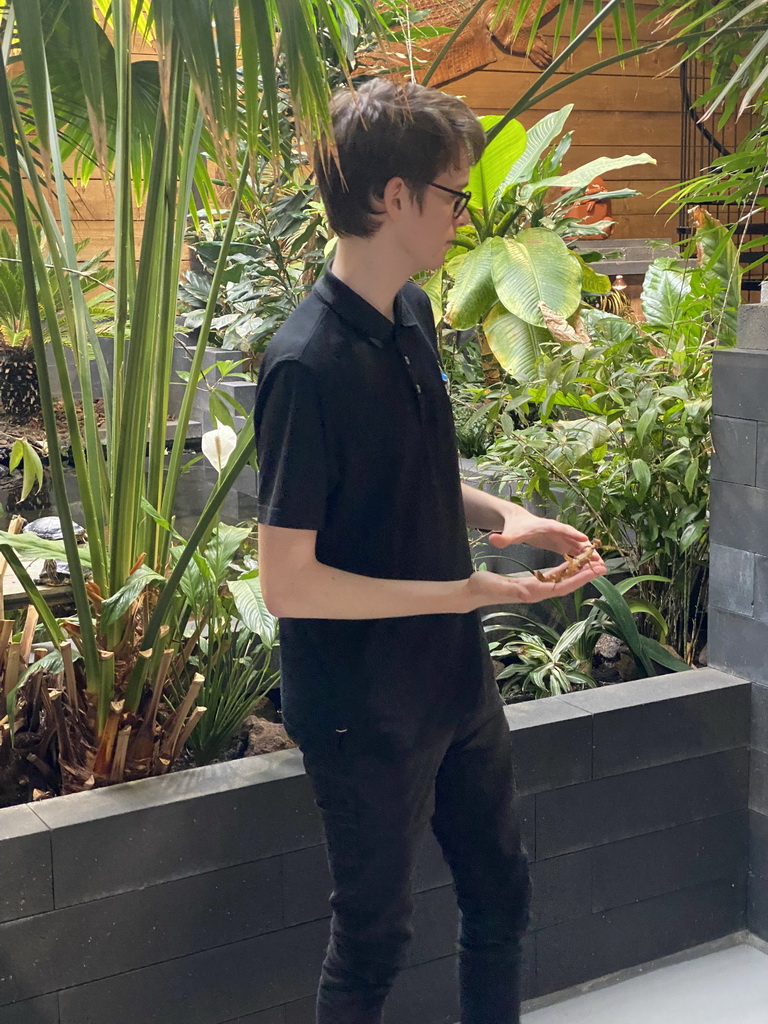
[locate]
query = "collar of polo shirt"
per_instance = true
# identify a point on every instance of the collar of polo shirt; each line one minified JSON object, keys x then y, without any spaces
{"x":351,"y":307}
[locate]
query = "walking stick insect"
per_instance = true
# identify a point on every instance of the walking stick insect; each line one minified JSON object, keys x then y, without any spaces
{"x":571,"y":567}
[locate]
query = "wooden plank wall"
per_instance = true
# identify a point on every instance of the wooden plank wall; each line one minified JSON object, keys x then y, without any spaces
{"x":93,"y":204}
{"x":620,"y":110}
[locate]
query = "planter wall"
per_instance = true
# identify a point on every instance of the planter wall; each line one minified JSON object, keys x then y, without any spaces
{"x":108,"y":350}
{"x":738,"y":616}
{"x":182,"y":359}
{"x":201,"y":898}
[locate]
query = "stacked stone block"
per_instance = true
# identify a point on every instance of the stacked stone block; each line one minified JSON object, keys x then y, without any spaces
{"x":738,"y":614}
{"x":202,"y":897}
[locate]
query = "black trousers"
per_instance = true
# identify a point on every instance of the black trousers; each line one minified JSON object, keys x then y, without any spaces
{"x":376,"y":803}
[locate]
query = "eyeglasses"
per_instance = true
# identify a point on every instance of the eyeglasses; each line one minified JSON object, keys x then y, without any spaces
{"x":459,"y":203}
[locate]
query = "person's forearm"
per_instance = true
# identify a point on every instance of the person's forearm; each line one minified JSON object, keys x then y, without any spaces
{"x":484,"y":511}
{"x":319,"y":591}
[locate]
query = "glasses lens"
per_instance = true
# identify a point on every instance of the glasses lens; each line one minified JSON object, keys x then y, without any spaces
{"x":461,"y":204}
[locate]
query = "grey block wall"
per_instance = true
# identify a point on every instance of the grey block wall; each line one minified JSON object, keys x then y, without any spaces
{"x":201,"y":898}
{"x":738,"y":612}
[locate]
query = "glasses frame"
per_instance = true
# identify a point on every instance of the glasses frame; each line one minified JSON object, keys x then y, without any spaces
{"x":461,"y":201}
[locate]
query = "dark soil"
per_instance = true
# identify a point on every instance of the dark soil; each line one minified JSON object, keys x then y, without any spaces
{"x":11,"y":483}
{"x":34,"y":430}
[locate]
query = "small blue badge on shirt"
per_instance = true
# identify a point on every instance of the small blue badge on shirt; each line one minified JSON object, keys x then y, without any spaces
{"x":444,"y":375}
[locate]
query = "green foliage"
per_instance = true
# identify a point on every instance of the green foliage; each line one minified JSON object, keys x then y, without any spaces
{"x":14,"y":308}
{"x":115,"y":607}
{"x":239,"y":672}
{"x":512,"y":261}
{"x":233,"y":640}
{"x":274,"y":259}
{"x":216,"y":102}
{"x":545,"y":660}
{"x":731,"y":36}
{"x":487,"y":177}
{"x":32,"y":466}
{"x":619,"y":439}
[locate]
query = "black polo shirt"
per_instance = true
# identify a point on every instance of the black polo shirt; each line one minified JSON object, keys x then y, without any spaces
{"x":355,"y":440}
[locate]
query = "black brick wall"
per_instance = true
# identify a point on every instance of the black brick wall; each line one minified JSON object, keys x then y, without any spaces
{"x":738,"y":614}
{"x":201,"y":898}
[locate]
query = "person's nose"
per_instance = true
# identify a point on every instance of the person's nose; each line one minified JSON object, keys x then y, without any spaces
{"x":463,"y":219}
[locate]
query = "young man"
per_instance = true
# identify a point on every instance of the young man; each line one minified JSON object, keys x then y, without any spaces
{"x":387,"y":684}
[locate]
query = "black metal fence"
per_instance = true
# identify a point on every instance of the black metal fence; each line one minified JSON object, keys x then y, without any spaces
{"x":701,"y":145}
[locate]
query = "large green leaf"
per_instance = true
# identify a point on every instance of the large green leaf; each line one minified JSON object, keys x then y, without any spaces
{"x":515,"y":343}
{"x":434,"y":290}
{"x":623,"y":625}
{"x":473,"y":291}
{"x":536,"y":266}
{"x":653,"y":650}
{"x":116,"y":606}
{"x":32,"y":44}
{"x":609,"y":326}
{"x":29,"y":545}
{"x":583,"y":175}
{"x":493,"y":166}
{"x":538,"y":138}
{"x":252,"y":608}
{"x":638,"y":604}
{"x":664,"y":288}
{"x":223,"y":547}
{"x":591,"y":281}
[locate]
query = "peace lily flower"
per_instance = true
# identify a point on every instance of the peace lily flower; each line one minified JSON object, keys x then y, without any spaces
{"x":218,"y":444}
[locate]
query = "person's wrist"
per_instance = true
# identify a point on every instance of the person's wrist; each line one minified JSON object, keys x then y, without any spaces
{"x":522,"y":527}
{"x":468,"y":595}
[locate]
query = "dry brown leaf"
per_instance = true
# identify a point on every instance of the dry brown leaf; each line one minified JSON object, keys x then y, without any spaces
{"x":561,"y":330}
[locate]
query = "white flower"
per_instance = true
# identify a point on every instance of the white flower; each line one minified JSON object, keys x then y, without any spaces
{"x":218,"y":445}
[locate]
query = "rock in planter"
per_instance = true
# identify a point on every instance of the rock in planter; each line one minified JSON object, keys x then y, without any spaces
{"x":613,"y":661}
{"x":265,"y":737}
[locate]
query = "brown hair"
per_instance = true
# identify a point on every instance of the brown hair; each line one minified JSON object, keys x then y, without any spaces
{"x":385,"y":130}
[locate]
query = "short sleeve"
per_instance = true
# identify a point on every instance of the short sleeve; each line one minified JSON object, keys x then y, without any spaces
{"x":293,"y":461}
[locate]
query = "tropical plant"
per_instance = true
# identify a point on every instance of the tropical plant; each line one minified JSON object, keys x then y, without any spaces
{"x":620,"y":439}
{"x":732,"y":34}
{"x":131,"y":616}
{"x":511,"y":275}
{"x":543,"y":660}
{"x":274,"y":258}
{"x":226,"y":666}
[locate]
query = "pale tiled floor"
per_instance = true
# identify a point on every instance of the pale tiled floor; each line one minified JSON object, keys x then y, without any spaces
{"x":726,"y":987}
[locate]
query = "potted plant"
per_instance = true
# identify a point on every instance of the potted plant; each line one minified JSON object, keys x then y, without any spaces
{"x":19,"y":387}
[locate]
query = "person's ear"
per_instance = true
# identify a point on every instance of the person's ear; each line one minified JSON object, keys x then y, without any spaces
{"x":394,"y":197}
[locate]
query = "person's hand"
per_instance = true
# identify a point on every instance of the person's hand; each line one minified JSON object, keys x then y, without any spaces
{"x":548,"y":534}
{"x":489,"y":588}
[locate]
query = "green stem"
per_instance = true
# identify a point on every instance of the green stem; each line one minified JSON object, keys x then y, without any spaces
{"x":129,"y":482}
{"x":125,"y":265}
{"x":34,"y":595}
{"x":163,"y":348}
{"x":88,"y":637}
{"x":530,"y":95}
{"x":239,"y":459}
{"x":56,"y":244}
{"x":174,"y":466}
{"x":451,"y":40}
